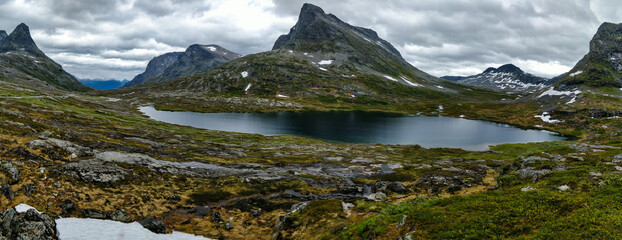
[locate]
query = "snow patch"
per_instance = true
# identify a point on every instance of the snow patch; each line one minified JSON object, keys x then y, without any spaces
{"x":22,"y":208}
{"x":248,"y":87}
{"x":244,"y":74}
{"x":390,"y":78}
{"x":410,"y":83}
{"x":113,"y":99}
{"x":547,"y":118}
{"x":441,"y":87}
{"x":440,"y":108}
{"x":576,"y":73}
{"x":553,"y":92}
{"x":324,"y":69}
{"x":282,"y":96}
{"x":326,"y":62}
{"x":573,"y":100}
{"x":96,"y":229}
{"x":210,"y":48}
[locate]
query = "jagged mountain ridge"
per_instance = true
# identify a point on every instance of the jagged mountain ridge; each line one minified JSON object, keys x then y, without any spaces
{"x":20,"y":58}
{"x":602,"y":65}
{"x":507,"y":78}
{"x":195,"y":60}
{"x":345,"y":66}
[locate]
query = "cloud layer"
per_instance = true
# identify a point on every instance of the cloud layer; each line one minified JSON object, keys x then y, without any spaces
{"x":116,"y":38}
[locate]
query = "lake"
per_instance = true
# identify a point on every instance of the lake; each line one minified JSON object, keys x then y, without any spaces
{"x":362,"y":127}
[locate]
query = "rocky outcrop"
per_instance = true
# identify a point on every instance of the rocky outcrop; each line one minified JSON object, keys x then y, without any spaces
{"x":94,"y":171}
{"x":27,"y":226}
{"x":153,"y":225}
{"x":602,"y":65}
{"x":10,"y":170}
{"x":155,"y":68}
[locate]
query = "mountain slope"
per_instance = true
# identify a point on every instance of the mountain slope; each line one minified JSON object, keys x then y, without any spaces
{"x":602,"y":65}
{"x":324,"y":58}
{"x":508,"y":78}
{"x":20,"y":58}
{"x":196,"y":59}
{"x":155,"y":68}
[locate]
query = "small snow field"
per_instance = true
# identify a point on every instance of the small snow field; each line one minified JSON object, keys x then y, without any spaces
{"x":576,"y":73}
{"x":248,"y":87}
{"x":553,"y":92}
{"x":440,"y":87}
{"x":326,"y":62}
{"x":390,"y":78}
{"x":410,"y":83}
{"x":324,"y":69}
{"x":244,"y":74}
{"x":282,"y":96}
{"x":210,"y":48}
{"x":547,"y":118}
{"x":96,"y":229}
{"x":22,"y":208}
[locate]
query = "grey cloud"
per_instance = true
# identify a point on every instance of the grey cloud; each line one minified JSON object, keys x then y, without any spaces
{"x":442,"y":37}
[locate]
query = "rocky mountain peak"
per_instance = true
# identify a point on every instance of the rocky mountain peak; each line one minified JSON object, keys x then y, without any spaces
{"x":608,"y":38}
{"x":509,"y":68}
{"x":20,"y":40}
{"x":507,"y":78}
{"x":196,"y":59}
{"x":602,"y":65}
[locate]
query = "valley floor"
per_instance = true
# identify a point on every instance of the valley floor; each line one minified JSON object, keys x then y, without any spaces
{"x":98,"y":157}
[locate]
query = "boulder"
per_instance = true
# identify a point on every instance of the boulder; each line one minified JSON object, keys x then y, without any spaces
{"x":94,"y":213}
{"x":153,"y":225}
{"x":29,"y":189}
{"x":534,"y":174}
{"x":397,"y":187}
{"x":119,"y":216}
{"x":11,"y":171}
{"x":27,"y":226}
{"x":5,"y":189}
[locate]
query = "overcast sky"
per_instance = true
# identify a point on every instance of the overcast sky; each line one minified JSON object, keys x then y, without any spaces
{"x":116,"y":38}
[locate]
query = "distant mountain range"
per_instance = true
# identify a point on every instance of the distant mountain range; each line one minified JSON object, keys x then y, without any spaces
{"x":103,"y":84}
{"x":196,"y":59}
{"x":507,"y":78}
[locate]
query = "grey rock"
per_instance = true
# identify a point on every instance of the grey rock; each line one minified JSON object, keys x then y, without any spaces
{"x":153,"y":225}
{"x":216,"y":217}
{"x":534,"y":174}
{"x":94,"y":171}
{"x":380,"y":186}
{"x":11,"y":171}
{"x":397,"y":187}
{"x":67,"y":207}
{"x":5,"y":189}
{"x":94,"y":213}
{"x":617,"y":158}
{"x":27,"y":226}
{"x":45,"y":135}
{"x":229,"y":225}
{"x":528,"y":189}
{"x":51,"y":143}
{"x":119,"y":216}
{"x":29,"y":189}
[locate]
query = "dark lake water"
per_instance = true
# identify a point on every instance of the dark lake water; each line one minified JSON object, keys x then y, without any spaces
{"x":362,"y":127}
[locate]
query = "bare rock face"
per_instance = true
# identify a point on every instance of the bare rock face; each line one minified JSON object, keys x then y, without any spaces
{"x":27,"y":226}
{"x":602,"y":65}
{"x":196,"y":59}
{"x":94,"y":171}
